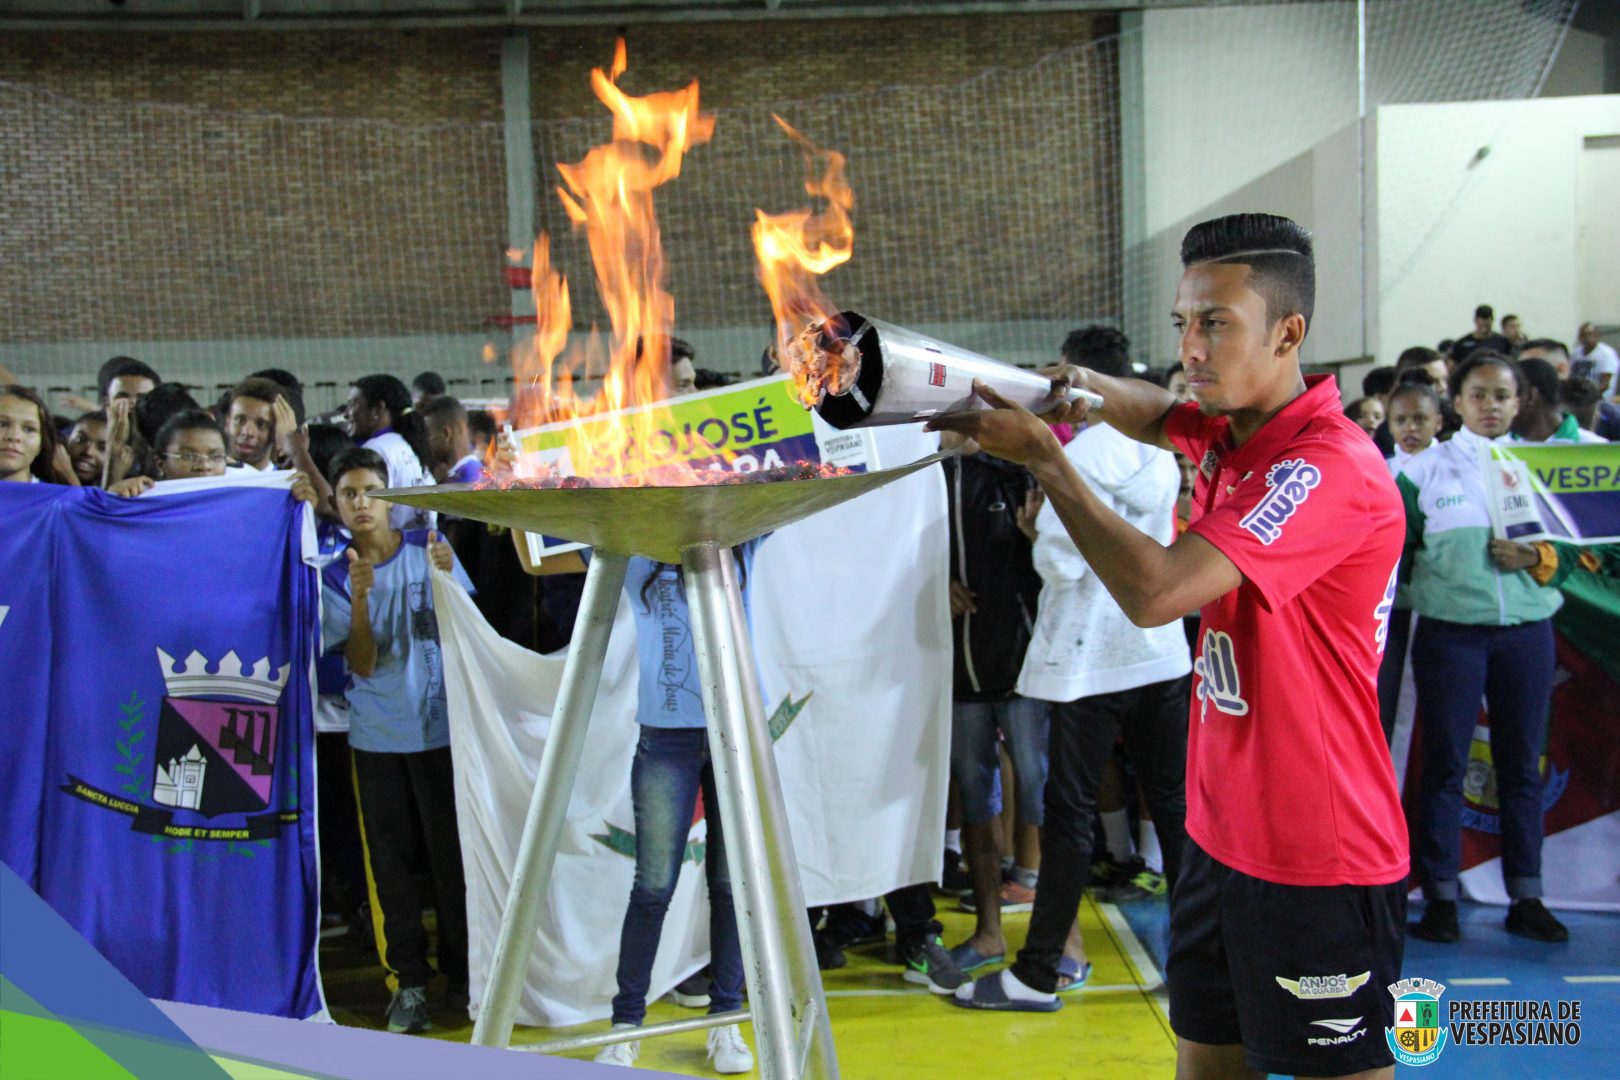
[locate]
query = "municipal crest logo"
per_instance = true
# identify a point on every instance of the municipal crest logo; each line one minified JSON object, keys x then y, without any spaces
{"x":1418,"y":1035}
{"x":216,"y":737}
{"x":213,"y":753}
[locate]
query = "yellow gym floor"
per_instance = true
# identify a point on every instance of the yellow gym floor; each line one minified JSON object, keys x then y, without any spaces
{"x":888,"y":1029}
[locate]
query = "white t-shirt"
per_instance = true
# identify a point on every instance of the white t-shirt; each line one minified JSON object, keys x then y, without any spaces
{"x":404,"y":470}
{"x":1602,"y":360}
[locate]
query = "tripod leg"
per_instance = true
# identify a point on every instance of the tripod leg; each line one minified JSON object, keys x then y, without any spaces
{"x":791,"y":1026}
{"x":548,"y":807}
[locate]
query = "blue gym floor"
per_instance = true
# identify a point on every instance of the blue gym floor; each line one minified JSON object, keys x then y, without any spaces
{"x":1491,"y":964}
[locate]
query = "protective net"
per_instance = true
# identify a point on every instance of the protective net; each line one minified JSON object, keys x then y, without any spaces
{"x":996,"y":211}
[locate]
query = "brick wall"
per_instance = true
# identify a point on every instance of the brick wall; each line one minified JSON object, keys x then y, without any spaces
{"x":338,"y":184}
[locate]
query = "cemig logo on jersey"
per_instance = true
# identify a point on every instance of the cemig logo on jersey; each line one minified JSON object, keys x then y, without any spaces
{"x":1313,"y":987}
{"x":1290,"y":482}
{"x":1418,"y":1036}
{"x":1510,"y":479}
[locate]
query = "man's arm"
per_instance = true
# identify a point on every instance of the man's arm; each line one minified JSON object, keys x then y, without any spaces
{"x":1152,"y":583}
{"x":1134,"y":407}
{"x":360,"y":650}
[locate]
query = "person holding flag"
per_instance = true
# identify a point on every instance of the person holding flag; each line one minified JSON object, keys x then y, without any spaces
{"x":1296,"y":860}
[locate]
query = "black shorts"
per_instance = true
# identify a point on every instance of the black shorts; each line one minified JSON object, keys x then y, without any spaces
{"x":1298,"y":974}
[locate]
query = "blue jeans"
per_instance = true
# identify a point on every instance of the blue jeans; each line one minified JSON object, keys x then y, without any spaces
{"x":671,"y":765}
{"x":1511,"y":667}
{"x":976,"y":760}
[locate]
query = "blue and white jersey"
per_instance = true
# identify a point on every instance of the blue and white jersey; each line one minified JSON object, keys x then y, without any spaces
{"x":400,"y":707}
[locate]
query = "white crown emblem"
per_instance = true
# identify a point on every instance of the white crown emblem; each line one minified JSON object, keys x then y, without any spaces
{"x":230,"y":679}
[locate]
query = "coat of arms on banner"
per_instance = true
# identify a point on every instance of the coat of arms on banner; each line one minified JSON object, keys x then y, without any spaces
{"x":216,"y":739}
{"x":214,"y":754}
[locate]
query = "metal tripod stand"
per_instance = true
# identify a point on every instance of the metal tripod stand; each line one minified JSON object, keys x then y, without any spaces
{"x":695,"y":526}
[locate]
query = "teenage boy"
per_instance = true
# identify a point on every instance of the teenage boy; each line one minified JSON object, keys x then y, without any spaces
{"x":450,"y":440}
{"x":377,"y":607}
{"x":1296,"y":859}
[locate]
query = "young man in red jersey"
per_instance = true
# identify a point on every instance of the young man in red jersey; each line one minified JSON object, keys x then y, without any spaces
{"x":1287,"y":923}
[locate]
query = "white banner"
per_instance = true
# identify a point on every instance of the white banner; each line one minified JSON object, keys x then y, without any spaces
{"x":852,"y":633}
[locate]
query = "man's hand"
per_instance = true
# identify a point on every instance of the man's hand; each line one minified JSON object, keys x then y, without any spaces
{"x":1006,"y":430}
{"x":962,"y":600}
{"x":303,"y":490}
{"x":1064,"y":378}
{"x":439,"y":552}
{"x":1025,"y":515}
{"x":1512,"y":555}
{"x":361,"y":575}
{"x":131,"y":487}
{"x":290,"y":438}
{"x":62,"y":467}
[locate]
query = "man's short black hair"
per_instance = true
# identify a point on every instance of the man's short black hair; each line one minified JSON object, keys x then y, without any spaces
{"x":1277,"y":251}
{"x":442,"y":410}
{"x":707,"y":378}
{"x":279,"y":376}
{"x":1485,"y":311}
{"x":1444,"y":345}
{"x":120,"y":367}
{"x":1378,"y":382}
{"x":356,"y":457}
{"x":1510,"y":318}
{"x":166,"y":400}
{"x":1102,"y":349}
{"x":429,"y":382}
{"x":186,"y":420}
{"x":1541,"y":377}
{"x":1579,"y":393}
{"x":481,"y":424}
{"x":1417,"y":356}
{"x":1480,"y":358}
{"x":259,"y":389}
{"x":327,"y":441}
{"x":1547,"y":343}
{"x":1417,"y":387}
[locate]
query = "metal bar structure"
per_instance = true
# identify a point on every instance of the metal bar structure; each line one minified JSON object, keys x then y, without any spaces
{"x":548,"y":807}
{"x":624,"y":1035}
{"x":792,"y":1032}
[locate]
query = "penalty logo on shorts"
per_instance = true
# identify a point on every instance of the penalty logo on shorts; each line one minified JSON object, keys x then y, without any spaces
{"x":1418,"y":1035}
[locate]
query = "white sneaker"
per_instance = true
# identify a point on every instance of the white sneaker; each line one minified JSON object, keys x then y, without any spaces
{"x":624,"y":1053}
{"x":727,"y":1051}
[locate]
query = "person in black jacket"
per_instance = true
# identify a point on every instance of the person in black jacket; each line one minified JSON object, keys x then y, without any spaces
{"x":994,"y":593}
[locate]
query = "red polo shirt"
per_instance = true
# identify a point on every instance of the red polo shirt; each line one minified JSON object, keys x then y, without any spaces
{"x":1288,"y":777}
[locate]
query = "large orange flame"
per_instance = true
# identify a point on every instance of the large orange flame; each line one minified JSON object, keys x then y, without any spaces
{"x":609,"y":196}
{"x":793,"y":251}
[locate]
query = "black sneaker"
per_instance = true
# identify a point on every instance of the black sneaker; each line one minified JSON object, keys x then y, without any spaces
{"x":456,"y":997}
{"x":692,"y":992}
{"x":408,"y":1011}
{"x":1134,"y":882}
{"x":929,"y":964}
{"x":1105,"y":872}
{"x":1531,"y":919}
{"x":827,"y":957}
{"x":848,"y":926}
{"x":1438,"y":924}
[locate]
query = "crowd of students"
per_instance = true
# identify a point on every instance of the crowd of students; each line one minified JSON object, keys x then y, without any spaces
{"x":1069,"y":735}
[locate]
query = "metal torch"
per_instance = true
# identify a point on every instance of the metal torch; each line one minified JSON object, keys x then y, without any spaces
{"x":872,"y":373}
